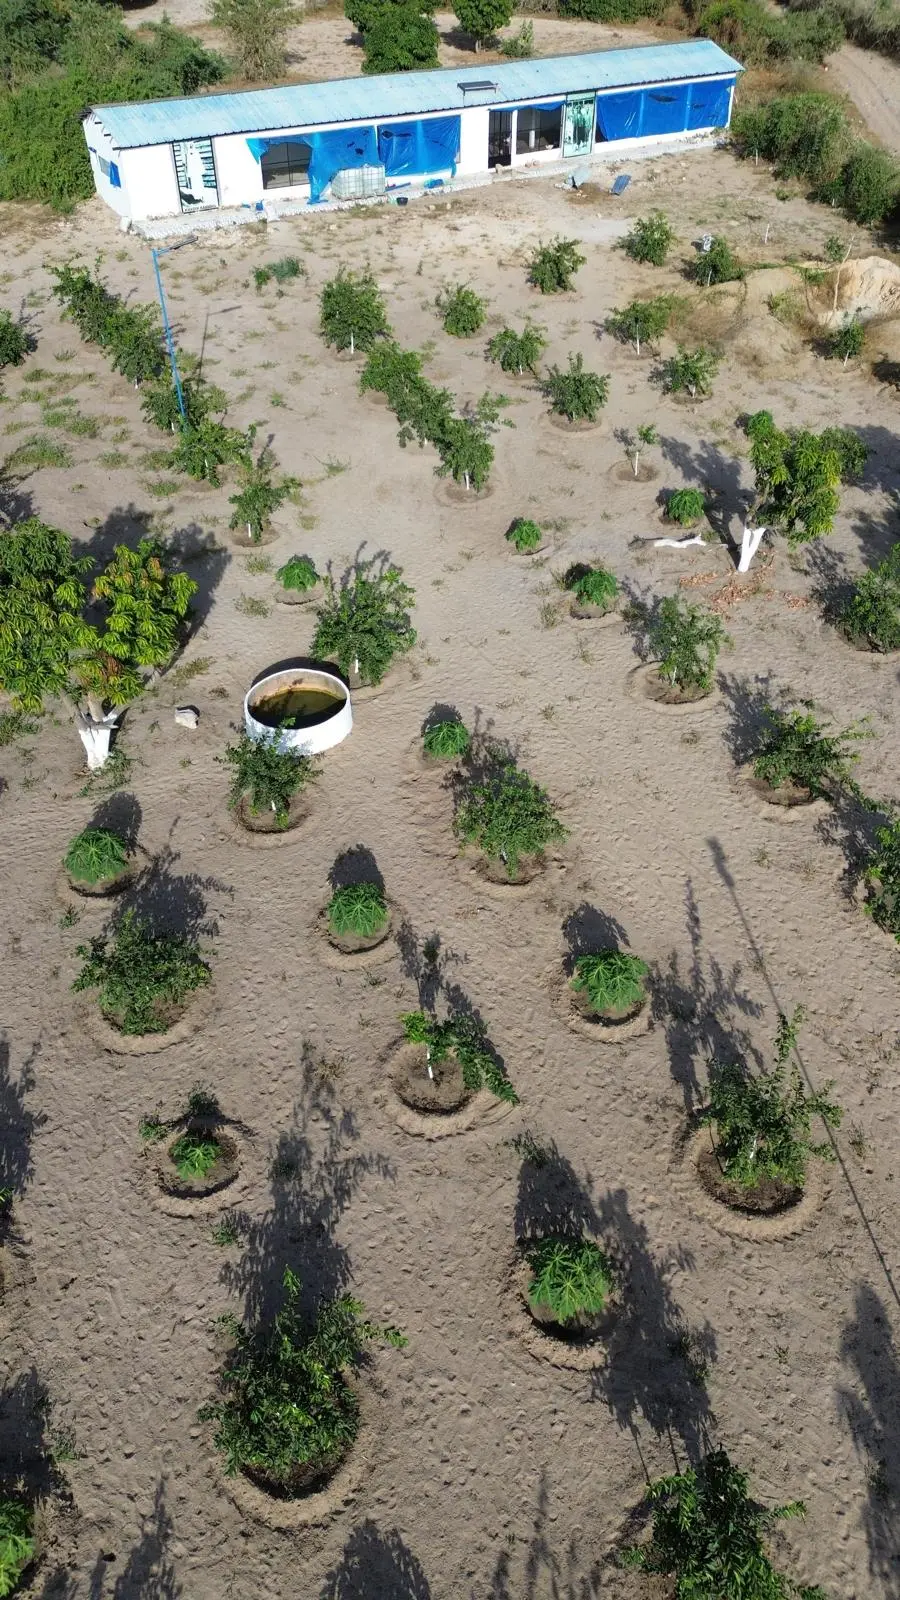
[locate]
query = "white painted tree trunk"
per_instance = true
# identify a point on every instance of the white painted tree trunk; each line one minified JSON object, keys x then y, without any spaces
{"x":681,"y":544}
{"x":95,"y":734}
{"x":750,"y":543}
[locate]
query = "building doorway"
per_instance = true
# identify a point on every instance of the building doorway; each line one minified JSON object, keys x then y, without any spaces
{"x":578,"y":126}
{"x":500,"y":139}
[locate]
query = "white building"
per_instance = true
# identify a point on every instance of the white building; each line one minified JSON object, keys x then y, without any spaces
{"x":305,"y":143}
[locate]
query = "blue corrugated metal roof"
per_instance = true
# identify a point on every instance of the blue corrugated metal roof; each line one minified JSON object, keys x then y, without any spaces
{"x":400,"y":94}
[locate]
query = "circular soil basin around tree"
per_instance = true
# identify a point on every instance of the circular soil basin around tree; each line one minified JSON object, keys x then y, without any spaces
{"x":573,"y":425}
{"x":107,"y":888}
{"x":448,"y":492}
{"x":347,"y":952}
{"x":772,"y":1211}
{"x":647,"y":685}
{"x":195,"y":1194}
{"x":600,"y":616}
{"x":260,"y":829}
{"x":314,"y":1496}
{"x":299,"y":597}
{"x":180,"y":1021}
{"x":436,"y":1107}
{"x":362,"y":689}
{"x":600,"y":1027}
{"x":491,"y":874}
{"x":580,"y":1347}
{"x":623,"y":472}
{"x":788,"y":803}
{"x":238,"y":538}
{"x":860,"y":644}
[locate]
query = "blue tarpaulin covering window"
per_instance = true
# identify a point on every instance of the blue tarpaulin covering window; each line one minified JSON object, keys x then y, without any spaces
{"x":431,"y":144}
{"x":619,"y":115}
{"x":114,"y":178}
{"x":709,"y":104}
{"x":667,"y":108}
{"x":664,"y":109}
{"x":332,"y":152}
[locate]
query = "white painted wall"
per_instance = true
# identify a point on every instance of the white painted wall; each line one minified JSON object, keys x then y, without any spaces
{"x":148,"y":176}
{"x":473,"y":140}
{"x":100,"y":144}
{"x":240,"y":177}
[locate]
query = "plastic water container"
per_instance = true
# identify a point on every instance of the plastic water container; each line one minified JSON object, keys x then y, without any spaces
{"x":358,"y":183}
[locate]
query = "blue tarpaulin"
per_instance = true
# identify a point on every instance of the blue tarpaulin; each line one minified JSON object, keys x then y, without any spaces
{"x":430,"y":144}
{"x":619,"y":115}
{"x":331,"y":152}
{"x":666,"y":108}
{"x":709,"y":104}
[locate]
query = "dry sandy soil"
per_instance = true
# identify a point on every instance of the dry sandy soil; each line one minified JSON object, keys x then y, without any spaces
{"x":873,"y":83}
{"x":493,"y":1476}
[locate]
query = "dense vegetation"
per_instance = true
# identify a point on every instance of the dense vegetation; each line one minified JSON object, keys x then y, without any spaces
{"x":809,"y":136}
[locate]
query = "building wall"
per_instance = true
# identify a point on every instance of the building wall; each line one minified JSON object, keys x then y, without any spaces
{"x":101,"y":148}
{"x":148,"y":177}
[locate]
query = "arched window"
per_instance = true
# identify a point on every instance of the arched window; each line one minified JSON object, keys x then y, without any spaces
{"x":285,"y":165}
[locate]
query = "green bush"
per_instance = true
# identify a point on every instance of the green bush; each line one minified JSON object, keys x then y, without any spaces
{"x":42,"y":599}
{"x":870,"y":184}
{"x":462,"y":311}
{"x":298,"y":573}
{"x":365,"y":624}
{"x":692,"y":370}
{"x":266,"y":775}
{"x":760,"y":37}
{"x":718,"y":264}
{"x":140,"y":975}
{"x":798,"y":475}
{"x":593,"y":586}
{"x":517,"y":352}
{"x":353,"y":315}
{"x":507,"y":815}
{"x":446,"y":741}
{"x":882,"y":877}
{"x":804,"y":135}
{"x":554,"y":265}
{"x":14,"y":342}
{"x":259,"y":496}
{"x":480,"y":19}
{"x":194,"y":1154}
{"x":612,"y":980}
{"x":762,"y":1120}
{"x":796,"y":750}
{"x":359,"y":909}
{"x":572,"y":1279}
{"x":610,"y":10}
{"x":520,"y":46}
{"x":708,"y":1536}
{"x":686,"y":640}
{"x":846,"y":343}
{"x":462,"y":1036}
{"x":574,"y":393}
{"x":401,"y":39}
{"x":205,"y":446}
{"x":283,"y":271}
{"x":148,"y":605}
{"x":525,"y":535}
{"x":287,"y":1413}
{"x":466,"y":453}
{"x":687,"y":507}
{"x":649,"y":239}
{"x":159,"y":403}
{"x":96,"y":855}
{"x":871,"y":614}
{"x":132,"y":336}
{"x":17,"y":1545}
{"x":641,"y":321}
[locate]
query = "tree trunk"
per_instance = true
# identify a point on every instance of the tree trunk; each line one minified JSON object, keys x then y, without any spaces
{"x":750,"y":542}
{"x":681,"y":544}
{"x":352,"y":344}
{"x":637,"y":461}
{"x":637,"y":346}
{"x":95,"y":734}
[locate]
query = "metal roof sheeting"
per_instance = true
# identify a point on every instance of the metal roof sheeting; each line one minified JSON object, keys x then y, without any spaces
{"x":403,"y":94}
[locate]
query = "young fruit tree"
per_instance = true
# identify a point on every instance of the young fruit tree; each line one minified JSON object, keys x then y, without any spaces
{"x":716,"y":265}
{"x":257,"y":31}
{"x":462,"y":1036}
{"x":870,"y":616}
{"x":797,"y":751}
{"x":798,"y":475}
{"x":203,"y":447}
{"x":686,"y":639}
{"x":574,"y":393}
{"x":401,"y":38}
{"x":650,"y":239}
{"x":572,"y":1278}
{"x":636,"y":443}
{"x":553,"y":266}
{"x":14,"y":341}
{"x":466,"y":452}
{"x":259,"y":495}
{"x":882,"y":880}
{"x":641,"y":321}
{"x":846,"y":343}
{"x":365,"y":624}
{"x":141,"y":975}
{"x":352,"y":313}
{"x":507,"y":815}
{"x":462,"y":311}
{"x":480,"y":19}
{"x":692,"y":370}
{"x":518,"y":352}
{"x":266,"y":777}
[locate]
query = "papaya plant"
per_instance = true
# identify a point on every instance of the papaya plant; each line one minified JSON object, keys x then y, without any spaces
{"x":96,"y":855}
{"x":358,"y":909}
{"x":612,"y":981}
{"x":525,"y":535}
{"x":298,"y":573}
{"x":797,"y":750}
{"x":572,"y":1278}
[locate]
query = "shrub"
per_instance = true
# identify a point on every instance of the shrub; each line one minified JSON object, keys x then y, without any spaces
{"x":259,"y":495}
{"x":205,"y":446}
{"x":147,"y":606}
{"x":446,"y":741}
{"x":521,"y":44}
{"x":641,"y":321}
{"x":298,"y":573}
{"x":257,"y":32}
{"x":393,"y":372}
{"x":159,"y":403}
{"x":852,"y":454}
{"x":686,"y":640}
{"x":593,"y":586}
{"x":140,"y":974}
{"x":14,"y":342}
{"x":708,"y":1535}
{"x":17,"y":1545}
{"x":572,"y":1278}
{"x":287,"y":1413}
{"x":466,"y":452}
{"x":266,"y":775}
{"x":761,"y":37}
{"x":462,"y":1036}
{"x":525,"y":535}
{"x":610,"y":10}
{"x":554,"y":265}
{"x":481,"y":18}
{"x":692,"y":370}
{"x":517,"y":352}
{"x":797,"y":750}
{"x":282,"y":271}
{"x":96,"y":855}
{"x":574,"y":393}
{"x":194,"y":1154}
{"x":636,"y":443}
{"x":359,"y":909}
{"x":872,"y":612}
{"x":798,"y":474}
{"x":762,"y":1120}
{"x":462,"y":311}
{"x":366,"y":623}
{"x":507,"y":815}
{"x":42,"y":596}
{"x":612,"y":980}
{"x":846,"y":343}
{"x":869,"y":185}
{"x":804,"y":135}
{"x":716,"y":265}
{"x":352,"y":312}
{"x":882,"y":876}
{"x":686,"y":507}
{"x":401,"y":39}
{"x":649,"y":239}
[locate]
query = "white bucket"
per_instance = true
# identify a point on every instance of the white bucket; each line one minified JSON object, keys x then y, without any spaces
{"x":322,"y":731}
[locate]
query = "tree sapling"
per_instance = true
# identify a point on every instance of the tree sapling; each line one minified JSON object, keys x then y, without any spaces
{"x":446,"y":741}
{"x":686,"y":640}
{"x":518,"y":352}
{"x":524,"y":534}
{"x":507,"y":815}
{"x":267,"y":777}
{"x":553,"y":266}
{"x":572,"y":1278}
{"x":574,"y":393}
{"x":365,"y":624}
{"x":612,"y":982}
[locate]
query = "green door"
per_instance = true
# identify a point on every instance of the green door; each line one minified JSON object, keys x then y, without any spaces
{"x":578,"y":128}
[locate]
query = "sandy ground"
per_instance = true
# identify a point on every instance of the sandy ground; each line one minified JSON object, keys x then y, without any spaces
{"x":493,"y":1475}
{"x":873,"y":84}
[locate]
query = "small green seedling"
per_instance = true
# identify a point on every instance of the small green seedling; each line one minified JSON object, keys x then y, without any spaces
{"x":692,"y":370}
{"x":446,"y":741}
{"x":525,"y":535}
{"x":593,"y":586}
{"x":282,"y":271}
{"x":572,"y":1278}
{"x":612,"y":980}
{"x":848,"y":342}
{"x":195,"y":1154}
{"x":359,"y":911}
{"x":463,"y":1036}
{"x":96,"y":856}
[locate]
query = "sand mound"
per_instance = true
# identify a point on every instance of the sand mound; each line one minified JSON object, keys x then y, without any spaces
{"x":868,"y":289}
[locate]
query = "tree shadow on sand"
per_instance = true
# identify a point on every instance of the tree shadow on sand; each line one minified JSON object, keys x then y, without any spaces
{"x":18,"y":1126}
{"x":540,"y":1570}
{"x":376,"y":1566}
{"x":427,"y":961}
{"x":587,"y":931}
{"x":172,"y":901}
{"x":148,"y":1574}
{"x":552,"y":1199}
{"x":316,"y":1169}
{"x":747,"y":700}
{"x":868,"y":1347}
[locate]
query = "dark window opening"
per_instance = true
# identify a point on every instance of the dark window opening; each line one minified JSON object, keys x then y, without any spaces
{"x":285,"y":165}
{"x":538,"y":128}
{"x":499,"y":138}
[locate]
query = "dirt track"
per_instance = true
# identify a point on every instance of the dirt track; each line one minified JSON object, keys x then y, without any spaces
{"x":873,"y":84}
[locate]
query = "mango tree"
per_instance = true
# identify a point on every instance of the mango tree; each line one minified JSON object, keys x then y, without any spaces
{"x":798,"y":478}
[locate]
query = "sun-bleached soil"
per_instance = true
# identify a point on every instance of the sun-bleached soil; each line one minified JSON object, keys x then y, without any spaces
{"x":490,"y":1474}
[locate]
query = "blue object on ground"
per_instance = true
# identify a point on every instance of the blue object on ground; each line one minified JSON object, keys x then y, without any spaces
{"x":621,"y":183}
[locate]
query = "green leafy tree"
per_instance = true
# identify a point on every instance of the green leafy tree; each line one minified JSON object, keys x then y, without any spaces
{"x":446,"y":741}
{"x":692,"y":370}
{"x":717,"y":265}
{"x":141,"y":975}
{"x":266,"y":775}
{"x":364,"y":13}
{"x":287,"y":1412}
{"x":871,"y":614}
{"x":593,"y":586}
{"x":365,"y":624}
{"x":686,"y":640}
{"x":636,"y":443}
{"x":517,"y":352}
{"x":687,"y":507}
{"x":298,"y":573}
{"x":796,"y":750}
{"x":462,"y":1036}
{"x":574,"y":393}
{"x":205,"y":446}
{"x":159,"y":403}
{"x":507,"y":815}
{"x":14,"y":342}
{"x":259,"y":496}
{"x":402,"y":38}
{"x":257,"y":31}
{"x":466,"y":452}
{"x":571,"y":1277}
{"x":708,"y":1535}
{"x":32,"y":34}
{"x":641,"y":321}
{"x":352,"y":314}
{"x":133,"y":338}
{"x":480,"y":19}
{"x":358,"y":909}
{"x":462,"y":311}
{"x":882,"y":878}
{"x":798,"y":474}
{"x":195,"y":1154}
{"x":394,"y":372}
{"x":524,"y":534}
{"x":520,"y":45}
{"x":762,"y":1120}
{"x":96,"y":855}
{"x":17,"y":1543}
{"x":870,"y":184}
{"x":848,"y":342}
{"x":612,"y":981}
{"x":147,"y":604}
{"x":553,"y":266}
{"x":42,"y":598}
{"x":649,"y":239}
